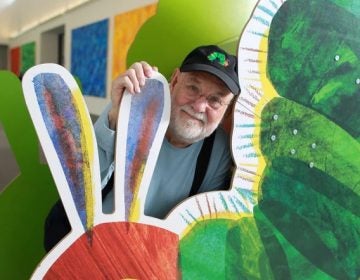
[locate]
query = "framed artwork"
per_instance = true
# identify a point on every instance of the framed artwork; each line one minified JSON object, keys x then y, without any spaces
{"x":126,"y":26}
{"x":89,"y":47}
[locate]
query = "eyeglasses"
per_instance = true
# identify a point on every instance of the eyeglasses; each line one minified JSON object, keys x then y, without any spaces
{"x":214,"y":101}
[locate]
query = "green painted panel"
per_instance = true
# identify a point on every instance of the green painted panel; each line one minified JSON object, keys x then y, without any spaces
{"x":26,"y":201}
{"x":224,"y":249}
{"x":181,"y":25}
{"x":327,"y":233}
{"x":323,"y":72}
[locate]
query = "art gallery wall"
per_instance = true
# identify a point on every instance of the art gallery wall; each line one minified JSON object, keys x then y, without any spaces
{"x":44,"y":36}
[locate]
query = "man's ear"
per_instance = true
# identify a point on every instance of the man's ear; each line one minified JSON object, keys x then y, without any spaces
{"x":228,"y":118}
{"x":174,"y":78}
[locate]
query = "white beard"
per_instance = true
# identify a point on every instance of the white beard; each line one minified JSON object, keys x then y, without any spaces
{"x":189,"y":130}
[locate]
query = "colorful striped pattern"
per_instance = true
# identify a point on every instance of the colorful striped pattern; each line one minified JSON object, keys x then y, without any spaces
{"x":145,"y":116}
{"x":68,"y":126}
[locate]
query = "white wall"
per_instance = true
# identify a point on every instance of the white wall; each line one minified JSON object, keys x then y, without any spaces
{"x":88,"y":13}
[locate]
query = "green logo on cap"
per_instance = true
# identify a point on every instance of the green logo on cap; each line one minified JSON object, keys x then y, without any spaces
{"x":219,"y":57}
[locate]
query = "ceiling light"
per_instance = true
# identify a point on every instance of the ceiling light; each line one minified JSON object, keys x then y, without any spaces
{"x":5,"y":3}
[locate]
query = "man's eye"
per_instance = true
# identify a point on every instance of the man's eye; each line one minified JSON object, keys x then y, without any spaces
{"x":215,"y":100}
{"x":192,"y":88}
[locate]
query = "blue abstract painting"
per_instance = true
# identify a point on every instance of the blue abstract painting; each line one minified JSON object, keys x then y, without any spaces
{"x":89,"y":45}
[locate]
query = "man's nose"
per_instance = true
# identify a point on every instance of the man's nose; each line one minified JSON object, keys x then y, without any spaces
{"x":200,"y":104}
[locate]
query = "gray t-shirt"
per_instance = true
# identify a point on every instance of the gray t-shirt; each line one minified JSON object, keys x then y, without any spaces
{"x":174,"y":171}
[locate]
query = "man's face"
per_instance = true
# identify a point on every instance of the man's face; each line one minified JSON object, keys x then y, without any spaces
{"x":198,"y":103}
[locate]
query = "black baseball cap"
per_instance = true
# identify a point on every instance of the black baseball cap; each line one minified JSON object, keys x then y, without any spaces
{"x":216,"y":61}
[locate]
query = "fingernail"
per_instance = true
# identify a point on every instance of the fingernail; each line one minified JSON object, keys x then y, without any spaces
{"x":149,"y":73}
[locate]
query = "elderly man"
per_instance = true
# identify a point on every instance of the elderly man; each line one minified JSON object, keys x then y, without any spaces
{"x":201,"y":91}
{"x":194,"y":156}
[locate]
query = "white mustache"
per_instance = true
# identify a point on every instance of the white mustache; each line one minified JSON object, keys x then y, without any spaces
{"x":199,"y":116}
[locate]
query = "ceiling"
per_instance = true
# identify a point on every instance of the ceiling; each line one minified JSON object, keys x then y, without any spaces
{"x":17,"y":16}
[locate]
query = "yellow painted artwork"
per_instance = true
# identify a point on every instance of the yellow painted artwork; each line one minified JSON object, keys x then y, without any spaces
{"x":126,"y":27}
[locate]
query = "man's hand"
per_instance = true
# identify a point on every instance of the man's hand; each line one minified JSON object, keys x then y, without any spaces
{"x":132,"y":80}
